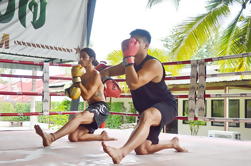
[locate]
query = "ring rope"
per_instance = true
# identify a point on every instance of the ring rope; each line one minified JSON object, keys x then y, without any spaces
{"x":242,"y":55}
{"x":128,"y":96}
{"x":123,"y":80}
{"x":235,"y":120}
{"x":119,"y":80}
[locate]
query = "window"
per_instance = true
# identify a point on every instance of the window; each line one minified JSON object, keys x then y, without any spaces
{"x":185,"y":112}
{"x":218,"y":111}
{"x":248,"y":112}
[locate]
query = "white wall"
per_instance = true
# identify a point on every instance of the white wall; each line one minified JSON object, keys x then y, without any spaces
{"x":203,"y":130}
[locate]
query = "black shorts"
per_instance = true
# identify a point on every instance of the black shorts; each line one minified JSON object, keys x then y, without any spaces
{"x":101,"y":112}
{"x":168,"y":114}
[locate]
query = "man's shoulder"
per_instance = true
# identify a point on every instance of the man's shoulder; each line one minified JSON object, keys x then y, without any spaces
{"x":150,"y":57}
{"x":153,"y":62}
{"x":95,"y":72}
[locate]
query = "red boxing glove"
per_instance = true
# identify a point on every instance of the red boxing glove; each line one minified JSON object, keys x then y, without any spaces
{"x":112,"y":89}
{"x":130,"y":48}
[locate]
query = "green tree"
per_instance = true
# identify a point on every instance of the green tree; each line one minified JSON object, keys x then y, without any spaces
{"x":234,"y":37}
{"x":55,"y":120}
{"x":154,"y":2}
{"x":115,"y":121}
{"x":7,"y":107}
{"x":204,"y":52}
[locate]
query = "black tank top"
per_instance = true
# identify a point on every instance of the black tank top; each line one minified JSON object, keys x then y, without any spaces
{"x":151,"y":93}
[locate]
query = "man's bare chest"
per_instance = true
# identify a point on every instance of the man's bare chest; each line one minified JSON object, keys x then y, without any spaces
{"x":86,"y":79}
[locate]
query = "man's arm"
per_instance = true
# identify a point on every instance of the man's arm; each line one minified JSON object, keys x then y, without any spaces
{"x":151,"y":71}
{"x":113,"y":71}
{"x":87,"y":91}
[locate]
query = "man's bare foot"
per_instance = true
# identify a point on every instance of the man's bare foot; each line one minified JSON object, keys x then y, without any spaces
{"x":114,"y":153}
{"x":176,"y":145}
{"x":47,"y":140}
{"x":105,"y":137}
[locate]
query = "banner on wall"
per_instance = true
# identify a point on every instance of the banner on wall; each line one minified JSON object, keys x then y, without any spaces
{"x":53,"y":29}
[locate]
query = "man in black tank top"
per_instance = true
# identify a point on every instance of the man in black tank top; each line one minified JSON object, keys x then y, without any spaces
{"x":151,"y":98}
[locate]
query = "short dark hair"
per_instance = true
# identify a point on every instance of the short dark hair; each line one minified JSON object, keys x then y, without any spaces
{"x":91,"y":54}
{"x":142,"y":33}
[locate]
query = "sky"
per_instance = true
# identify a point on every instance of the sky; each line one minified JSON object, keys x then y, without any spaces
{"x":115,"y":19}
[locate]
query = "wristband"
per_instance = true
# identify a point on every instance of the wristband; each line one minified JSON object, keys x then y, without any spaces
{"x":105,"y":78}
{"x":128,"y":61}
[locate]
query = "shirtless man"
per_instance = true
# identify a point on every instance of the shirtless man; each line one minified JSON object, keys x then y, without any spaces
{"x":83,"y":125}
{"x":145,"y":76}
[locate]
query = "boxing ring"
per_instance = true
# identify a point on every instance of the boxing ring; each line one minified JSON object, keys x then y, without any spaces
{"x":25,"y":148}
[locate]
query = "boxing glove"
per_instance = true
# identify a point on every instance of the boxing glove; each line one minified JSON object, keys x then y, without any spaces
{"x":73,"y":92}
{"x":112,"y":88}
{"x":130,"y":48}
{"x":76,"y":72}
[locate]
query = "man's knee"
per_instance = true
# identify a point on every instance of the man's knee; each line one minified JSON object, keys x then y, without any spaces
{"x":84,"y":116}
{"x":151,"y":115}
{"x":73,"y":137}
{"x":147,"y":114}
{"x":77,"y":117}
{"x":141,"y":151}
{"x":144,"y":148}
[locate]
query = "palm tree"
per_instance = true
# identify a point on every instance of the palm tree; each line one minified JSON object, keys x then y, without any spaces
{"x":153,"y":2}
{"x":234,"y":38}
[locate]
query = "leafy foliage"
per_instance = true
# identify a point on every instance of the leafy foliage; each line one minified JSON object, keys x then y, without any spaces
{"x":115,"y":121}
{"x":6,"y":107}
{"x":153,"y":2}
{"x":234,"y":37}
{"x":162,"y":56}
{"x":56,"y":120}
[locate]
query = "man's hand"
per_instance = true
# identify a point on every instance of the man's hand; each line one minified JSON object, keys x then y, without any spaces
{"x":73,"y":92}
{"x":76,"y":72}
{"x":130,"y":48}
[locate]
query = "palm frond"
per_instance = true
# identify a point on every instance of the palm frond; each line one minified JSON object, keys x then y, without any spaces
{"x":211,"y":4}
{"x":243,"y":40}
{"x":195,"y":32}
{"x":162,"y":56}
{"x":150,"y":3}
{"x":246,"y":31}
{"x":227,"y":43}
{"x":154,"y":2}
{"x":115,"y":57}
{"x":235,"y":40}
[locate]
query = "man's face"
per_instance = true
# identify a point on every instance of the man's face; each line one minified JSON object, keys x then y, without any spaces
{"x":143,"y":46}
{"x":85,"y":59}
